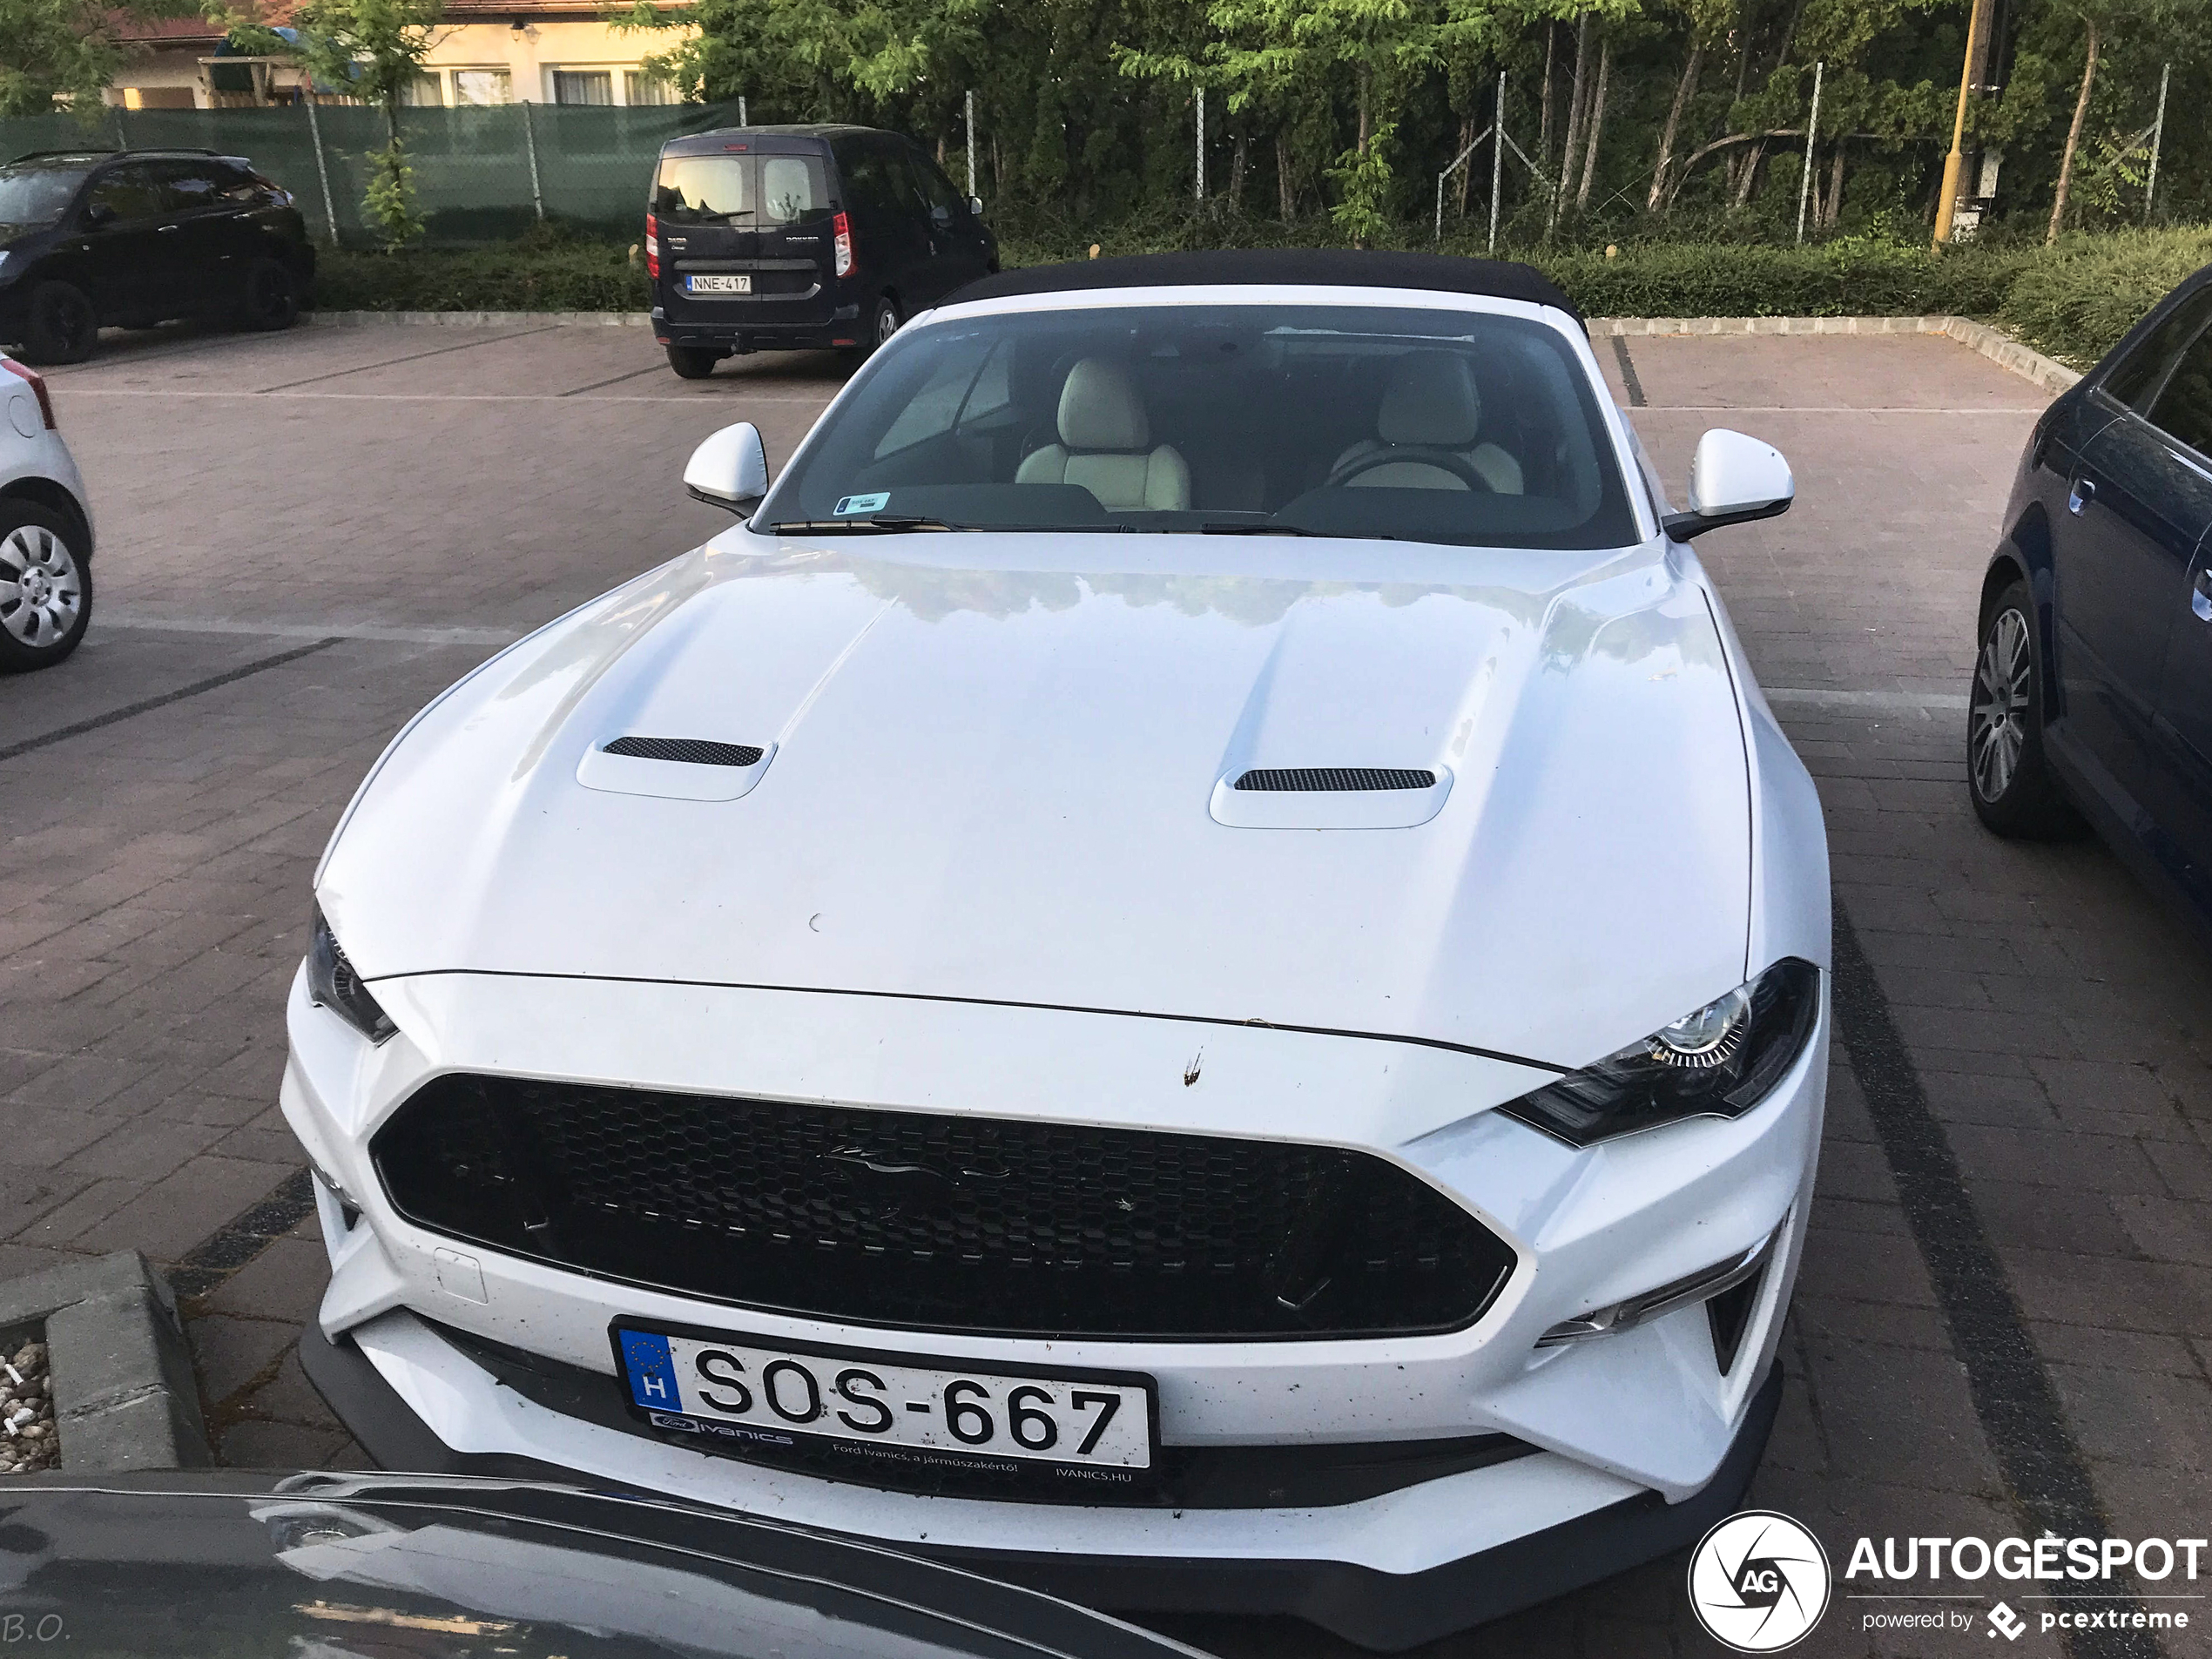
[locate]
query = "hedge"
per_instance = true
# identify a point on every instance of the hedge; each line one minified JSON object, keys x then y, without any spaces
{"x":2072,"y":301}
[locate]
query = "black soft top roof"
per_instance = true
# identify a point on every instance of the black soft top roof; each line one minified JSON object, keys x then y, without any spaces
{"x":1325,"y":267}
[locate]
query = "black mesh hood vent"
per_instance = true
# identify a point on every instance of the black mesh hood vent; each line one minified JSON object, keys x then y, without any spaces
{"x":697,"y":752}
{"x":1315,"y":780}
{"x":933,"y":1222}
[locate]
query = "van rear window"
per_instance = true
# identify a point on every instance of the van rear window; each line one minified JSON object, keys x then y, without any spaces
{"x":703,"y":190}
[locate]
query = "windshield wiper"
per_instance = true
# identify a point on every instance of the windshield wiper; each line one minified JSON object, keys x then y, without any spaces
{"x":1211,"y":528}
{"x":879,"y":523}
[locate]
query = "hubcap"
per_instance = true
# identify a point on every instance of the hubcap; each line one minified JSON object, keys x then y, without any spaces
{"x":1998,"y":729}
{"x":887,"y":324}
{"x":41,"y":592}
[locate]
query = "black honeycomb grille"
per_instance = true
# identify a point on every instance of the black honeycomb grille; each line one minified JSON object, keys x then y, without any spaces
{"x":940,"y":1223}
{"x":697,"y":752}
{"x":1328,"y":779}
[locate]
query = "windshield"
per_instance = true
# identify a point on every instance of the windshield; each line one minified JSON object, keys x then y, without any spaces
{"x":34,"y":194}
{"x":1426,"y":425}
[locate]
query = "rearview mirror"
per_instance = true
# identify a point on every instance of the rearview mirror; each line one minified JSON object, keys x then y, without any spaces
{"x":1733,"y":480}
{"x":942,"y":213}
{"x":97,"y":214}
{"x":730,"y":469}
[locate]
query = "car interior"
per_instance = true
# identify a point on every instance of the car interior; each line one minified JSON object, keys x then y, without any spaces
{"x":1325,"y":422}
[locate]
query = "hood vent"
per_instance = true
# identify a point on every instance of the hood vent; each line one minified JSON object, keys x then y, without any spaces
{"x":1329,"y":779}
{"x":697,"y":752}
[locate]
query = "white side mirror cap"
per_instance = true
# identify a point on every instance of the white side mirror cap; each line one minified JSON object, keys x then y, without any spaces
{"x":1733,"y":480}
{"x":730,"y":469}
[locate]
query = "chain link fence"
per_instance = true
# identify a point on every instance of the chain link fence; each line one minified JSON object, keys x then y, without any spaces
{"x":481,"y":173}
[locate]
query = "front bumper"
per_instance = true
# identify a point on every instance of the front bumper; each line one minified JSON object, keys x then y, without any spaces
{"x":1375,"y":1608}
{"x":1636,"y":1435}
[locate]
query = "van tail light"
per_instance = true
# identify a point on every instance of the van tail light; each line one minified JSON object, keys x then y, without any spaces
{"x":844,"y":228}
{"x":37,"y":384}
{"x":652,"y":247}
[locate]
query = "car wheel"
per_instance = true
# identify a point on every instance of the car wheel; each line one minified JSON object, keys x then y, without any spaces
{"x":887,"y":323}
{"x":45,"y":588}
{"x":269,"y":298}
{"x":61,"y":326}
{"x":2007,"y":773}
{"x":693,"y":362}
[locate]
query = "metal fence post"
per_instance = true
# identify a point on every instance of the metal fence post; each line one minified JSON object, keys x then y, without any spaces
{"x":1202,"y":143}
{"x":530,"y":143}
{"x":1497,"y":162}
{"x":742,"y":120}
{"x":2157,"y":139}
{"x":1812,"y":129}
{"x":971,"y":143}
{"x":322,"y":168}
{"x":122,"y":140}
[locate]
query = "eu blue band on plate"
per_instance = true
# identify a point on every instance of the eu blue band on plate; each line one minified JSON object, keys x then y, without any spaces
{"x":652,"y":1370}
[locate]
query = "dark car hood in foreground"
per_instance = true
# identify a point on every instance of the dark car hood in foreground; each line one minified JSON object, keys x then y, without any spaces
{"x":436,"y":1568}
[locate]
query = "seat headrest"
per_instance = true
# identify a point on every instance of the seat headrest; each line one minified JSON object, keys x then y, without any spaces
{"x":1431,"y":400}
{"x":1100,"y":410}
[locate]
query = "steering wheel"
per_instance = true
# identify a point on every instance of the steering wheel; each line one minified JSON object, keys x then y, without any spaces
{"x":1445,"y":459}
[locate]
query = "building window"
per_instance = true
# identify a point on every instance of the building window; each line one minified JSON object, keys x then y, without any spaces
{"x":423,"y":91}
{"x":640,"y":87}
{"x":481,"y":86}
{"x":584,"y":86}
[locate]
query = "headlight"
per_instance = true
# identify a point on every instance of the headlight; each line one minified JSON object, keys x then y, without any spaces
{"x":1715,"y":1062}
{"x":331,"y":982}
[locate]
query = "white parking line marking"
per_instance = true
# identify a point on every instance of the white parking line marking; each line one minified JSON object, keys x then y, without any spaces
{"x":393,"y":633}
{"x":1833,"y":409}
{"x":429,"y":397}
{"x":1903,"y":702}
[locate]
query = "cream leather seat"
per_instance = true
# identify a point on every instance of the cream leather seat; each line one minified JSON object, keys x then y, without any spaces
{"x":1431,"y":403}
{"x":1103,"y":439}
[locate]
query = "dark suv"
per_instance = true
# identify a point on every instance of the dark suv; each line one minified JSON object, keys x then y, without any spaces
{"x":762,"y":238}
{"x":130,"y":239}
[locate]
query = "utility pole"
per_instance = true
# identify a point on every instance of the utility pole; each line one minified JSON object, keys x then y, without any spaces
{"x":1497,"y":160}
{"x":1202,"y":143}
{"x":1812,"y":131}
{"x":971,"y":143}
{"x":1955,"y":164}
{"x":2157,"y":139}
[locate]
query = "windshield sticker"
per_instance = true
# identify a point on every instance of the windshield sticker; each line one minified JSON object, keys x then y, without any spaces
{"x":848,"y":505}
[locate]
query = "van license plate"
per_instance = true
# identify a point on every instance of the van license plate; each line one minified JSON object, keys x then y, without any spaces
{"x":718,"y":284}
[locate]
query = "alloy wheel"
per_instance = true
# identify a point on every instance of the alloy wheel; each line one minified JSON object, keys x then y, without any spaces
{"x":41,"y":591}
{"x":2003,"y":681}
{"x":886,"y":323}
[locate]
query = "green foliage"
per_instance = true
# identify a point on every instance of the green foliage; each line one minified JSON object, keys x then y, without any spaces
{"x":389,"y":196}
{"x":1362,"y":178}
{"x":544,"y":272}
{"x":2076,"y":299}
{"x":60,"y":50}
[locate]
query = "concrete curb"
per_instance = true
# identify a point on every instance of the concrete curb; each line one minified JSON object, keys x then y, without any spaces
{"x":122,"y":1376}
{"x":1994,"y":344}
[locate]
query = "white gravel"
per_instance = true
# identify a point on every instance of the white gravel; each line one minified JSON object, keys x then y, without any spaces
{"x":28,"y":1440}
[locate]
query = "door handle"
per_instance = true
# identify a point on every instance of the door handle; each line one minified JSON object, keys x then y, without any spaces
{"x":170,"y":230}
{"x":2201,"y":595}
{"x":2084,"y":491}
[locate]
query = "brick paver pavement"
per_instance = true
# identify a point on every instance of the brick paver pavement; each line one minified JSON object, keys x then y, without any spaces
{"x":417,"y":495}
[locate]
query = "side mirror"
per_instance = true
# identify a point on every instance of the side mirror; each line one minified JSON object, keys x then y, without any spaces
{"x":975,"y":206}
{"x":1733,"y":480}
{"x":730,"y":469}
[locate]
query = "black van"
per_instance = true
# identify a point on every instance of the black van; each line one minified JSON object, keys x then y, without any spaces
{"x":776,"y":238}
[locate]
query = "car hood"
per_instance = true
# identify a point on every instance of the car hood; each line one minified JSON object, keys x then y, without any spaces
{"x":1001,"y":768}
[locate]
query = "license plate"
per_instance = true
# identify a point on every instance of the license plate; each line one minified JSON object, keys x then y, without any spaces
{"x":741,"y":1388}
{"x":718,"y":284}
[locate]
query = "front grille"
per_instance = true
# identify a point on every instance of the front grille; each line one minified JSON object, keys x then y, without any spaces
{"x":1327,"y":779}
{"x":925,"y":1222}
{"x":697,"y":752}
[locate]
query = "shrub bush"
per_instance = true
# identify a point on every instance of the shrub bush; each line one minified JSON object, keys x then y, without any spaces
{"x":2073,"y":301}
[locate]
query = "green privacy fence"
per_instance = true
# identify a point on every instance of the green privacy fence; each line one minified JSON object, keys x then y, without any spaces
{"x":480,"y":173}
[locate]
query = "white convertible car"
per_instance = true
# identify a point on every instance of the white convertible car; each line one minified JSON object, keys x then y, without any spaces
{"x":1188,"y":970}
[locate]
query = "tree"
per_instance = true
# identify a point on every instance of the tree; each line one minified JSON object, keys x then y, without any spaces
{"x":61,"y":51}
{"x":375,"y":49}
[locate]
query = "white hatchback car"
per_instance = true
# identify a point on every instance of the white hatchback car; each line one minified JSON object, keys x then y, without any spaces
{"x":45,"y":529}
{"x":1189,"y":971}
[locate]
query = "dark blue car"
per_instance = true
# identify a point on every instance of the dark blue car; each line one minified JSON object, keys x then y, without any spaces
{"x":2093,"y":687}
